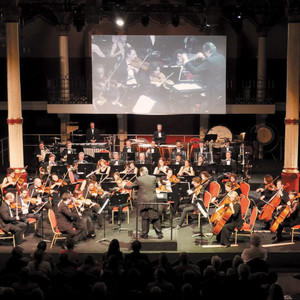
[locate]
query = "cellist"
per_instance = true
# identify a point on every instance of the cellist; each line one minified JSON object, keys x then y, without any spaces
{"x":235,"y":220}
{"x":266,"y":192}
{"x":292,"y":219}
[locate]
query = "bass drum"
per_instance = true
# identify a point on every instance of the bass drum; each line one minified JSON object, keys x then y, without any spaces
{"x":222,"y":133}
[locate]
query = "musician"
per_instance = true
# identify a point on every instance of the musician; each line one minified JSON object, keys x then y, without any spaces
{"x":85,"y":207}
{"x":235,"y":185}
{"x":55,"y":185}
{"x":41,"y":152}
{"x":130,"y":168}
{"x":146,"y":185}
{"x":228,"y":186}
{"x":186,"y":169}
{"x":67,"y":150}
{"x":201,"y":161}
{"x":195,"y":193}
{"x":46,"y":166}
{"x":202,"y":149}
{"x":178,"y":150}
{"x":283,"y":194}
{"x":103,"y":167}
{"x":292,"y":219}
{"x":119,"y":46}
{"x":9,"y":223}
{"x":142,"y":159}
{"x":28,"y":207}
{"x":80,"y":160}
{"x":228,"y":161}
{"x":116,"y":160}
{"x":205,"y":180}
{"x":235,"y":220}
{"x":266,"y":192}
{"x":128,"y":148}
{"x":159,"y":136}
{"x":178,"y":160}
{"x":37,"y":190}
{"x":69,"y":222}
{"x":9,"y":184}
{"x":95,"y":196}
{"x":161,"y":168}
{"x":213,"y":65}
{"x":154,"y":151}
{"x":227,"y":147}
{"x":92,"y":134}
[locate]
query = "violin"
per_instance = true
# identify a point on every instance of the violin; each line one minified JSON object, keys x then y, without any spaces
{"x":95,"y":190}
{"x":162,"y":188}
{"x":43,"y":189}
{"x":138,"y":63}
{"x":174,"y":179}
{"x":15,"y":205}
{"x":33,"y":201}
{"x":60,"y":182}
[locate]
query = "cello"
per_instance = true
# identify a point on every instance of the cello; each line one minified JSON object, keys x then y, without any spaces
{"x":224,"y":213}
{"x":216,"y":214}
{"x":282,"y":215}
{"x":268,"y":209}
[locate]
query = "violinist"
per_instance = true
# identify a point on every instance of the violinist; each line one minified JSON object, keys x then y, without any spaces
{"x":194,"y":194}
{"x":10,"y":223}
{"x":205,"y":181}
{"x":9,"y":183}
{"x":266,"y":192}
{"x":28,"y":207}
{"x":233,"y":179}
{"x":55,"y":185}
{"x":235,"y":220}
{"x":37,"y":190}
{"x":70,"y":222}
{"x":84,"y":206}
{"x":293,"y":217}
{"x":161,"y":168}
{"x":186,"y":169}
{"x":130,"y":168}
{"x":157,"y":78}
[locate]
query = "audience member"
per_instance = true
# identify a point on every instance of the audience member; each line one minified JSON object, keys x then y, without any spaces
{"x":255,"y":250}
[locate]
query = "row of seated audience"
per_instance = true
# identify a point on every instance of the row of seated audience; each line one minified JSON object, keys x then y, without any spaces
{"x":134,"y":275}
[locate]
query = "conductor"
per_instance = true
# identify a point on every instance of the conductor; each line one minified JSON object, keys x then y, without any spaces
{"x":146,"y":185}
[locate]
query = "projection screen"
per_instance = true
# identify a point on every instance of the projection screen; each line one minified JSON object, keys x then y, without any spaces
{"x":158,"y":75}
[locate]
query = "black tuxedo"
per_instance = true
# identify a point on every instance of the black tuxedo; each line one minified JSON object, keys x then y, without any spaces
{"x":92,"y":136}
{"x":129,"y":149}
{"x":159,"y":140}
{"x":225,"y":149}
{"x":176,"y":152}
{"x":232,"y":163}
{"x":68,"y":151}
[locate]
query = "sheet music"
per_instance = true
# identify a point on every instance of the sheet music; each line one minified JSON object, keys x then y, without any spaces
{"x":186,"y":86}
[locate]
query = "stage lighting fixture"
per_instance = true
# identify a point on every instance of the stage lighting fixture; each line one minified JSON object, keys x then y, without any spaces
{"x":175,"y":20}
{"x":145,"y":20}
{"x":78,"y":18}
{"x":119,"y":22}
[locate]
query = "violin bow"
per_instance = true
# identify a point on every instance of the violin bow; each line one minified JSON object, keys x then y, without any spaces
{"x":21,"y":174}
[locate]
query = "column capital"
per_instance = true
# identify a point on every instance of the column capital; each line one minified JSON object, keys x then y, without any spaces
{"x":11,"y":11}
{"x":293,"y":11}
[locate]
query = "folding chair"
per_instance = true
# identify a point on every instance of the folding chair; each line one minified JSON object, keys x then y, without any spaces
{"x":247,"y":228}
{"x":6,"y":236}
{"x":57,"y":235}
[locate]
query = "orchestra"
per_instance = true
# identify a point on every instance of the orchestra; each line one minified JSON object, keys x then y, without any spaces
{"x":77,"y":199}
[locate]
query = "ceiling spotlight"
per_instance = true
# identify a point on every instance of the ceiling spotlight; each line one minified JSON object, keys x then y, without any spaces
{"x":119,"y":21}
{"x":175,"y":20}
{"x":145,"y":20}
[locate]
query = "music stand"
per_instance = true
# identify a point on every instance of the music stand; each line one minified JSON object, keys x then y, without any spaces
{"x":59,"y":170}
{"x":101,"y":155}
{"x":128,"y":177}
{"x":203,"y":211}
{"x":102,"y":209}
{"x":71,"y":158}
{"x":118,"y":168}
{"x":199,"y":169}
{"x":225,"y":168}
{"x":42,"y":221}
{"x":85,"y":169}
{"x":175,"y":168}
{"x":118,"y":199}
{"x":128,"y":156}
{"x":67,"y":189}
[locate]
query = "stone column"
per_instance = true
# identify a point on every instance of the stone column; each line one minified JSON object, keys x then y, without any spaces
{"x":290,"y":173}
{"x":14,"y":112}
{"x":64,"y":78}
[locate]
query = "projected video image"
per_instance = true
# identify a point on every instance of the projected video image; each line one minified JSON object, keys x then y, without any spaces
{"x":159,"y":75}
